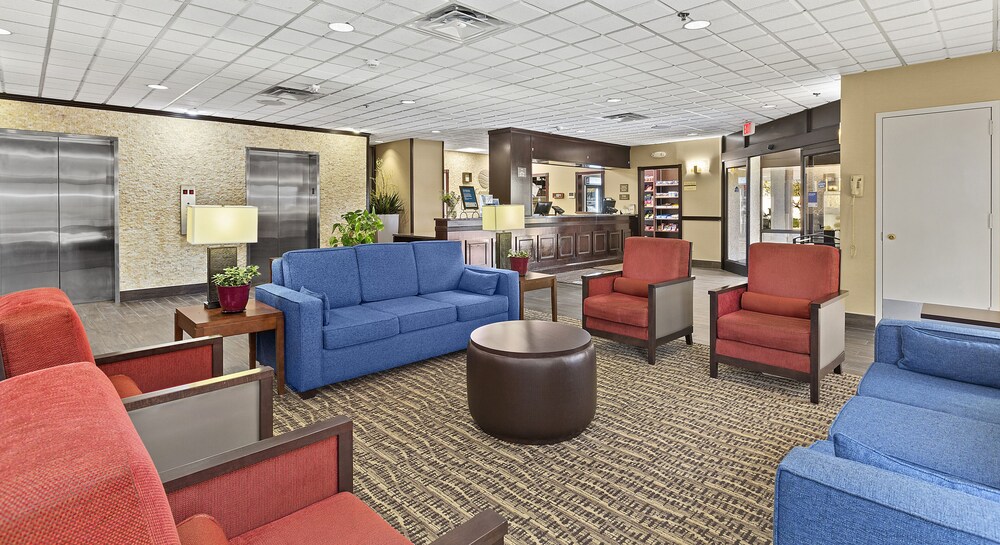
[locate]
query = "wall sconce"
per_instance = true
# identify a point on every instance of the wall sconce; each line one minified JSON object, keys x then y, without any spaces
{"x":698,"y":167}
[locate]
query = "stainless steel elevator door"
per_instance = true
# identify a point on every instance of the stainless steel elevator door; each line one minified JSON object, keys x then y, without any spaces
{"x":86,"y":219}
{"x":283,"y":187}
{"x":29,"y":212}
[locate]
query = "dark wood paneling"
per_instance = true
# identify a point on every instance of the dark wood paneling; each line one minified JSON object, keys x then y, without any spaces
{"x":547,"y":147}
{"x":600,"y":242}
{"x":827,"y":115}
{"x":584,"y":244}
{"x":526,"y":244}
{"x":479,"y":252}
{"x":566,"y":246}
{"x":615,"y":241}
{"x":510,"y":153}
{"x":546,"y":247}
{"x":805,"y":128}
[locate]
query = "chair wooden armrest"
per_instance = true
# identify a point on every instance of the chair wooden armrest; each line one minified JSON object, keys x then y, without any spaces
{"x":169,"y":364}
{"x":486,"y":528}
{"x":602,"y":283}
{"x":727,"y":289}
{"x":829,"y":299}
{"x":827,"y":334}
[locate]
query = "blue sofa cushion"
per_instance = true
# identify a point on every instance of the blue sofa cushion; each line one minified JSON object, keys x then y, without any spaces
{"x":478,"y":282}
{"x":943,"y":442}
{"x":387,"y":271}
{"x":978,"y":363}
{"x":416,"y":312}
{"x":348,"y":326}
{"x":333,"y":271}
{"x":889,"y":382}
{"x":322,"y":297}
{"x":440,"y":264}
{"x":471,"y":306}
{"x":850,"y":449}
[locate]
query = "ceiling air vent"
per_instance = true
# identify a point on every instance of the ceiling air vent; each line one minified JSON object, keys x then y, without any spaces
{"x":625,"y":117}
{"x":458,"y":24}
{"x":282,"y":94}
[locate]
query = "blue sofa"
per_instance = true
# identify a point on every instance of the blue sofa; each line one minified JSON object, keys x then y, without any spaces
{"x":914,"y":458}
{"x":372,"y":307}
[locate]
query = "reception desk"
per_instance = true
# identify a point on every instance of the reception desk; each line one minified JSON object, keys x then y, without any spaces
{"x":554,"y":242}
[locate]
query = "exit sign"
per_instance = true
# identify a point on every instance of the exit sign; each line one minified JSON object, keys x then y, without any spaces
{"x":749,"y":128}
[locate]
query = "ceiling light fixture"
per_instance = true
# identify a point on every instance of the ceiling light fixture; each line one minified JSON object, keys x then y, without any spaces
{"x":581,"y":130}
{"x":341,"y":27}
{"x":693,"y":24}
{"x":192,"y":112}
{"x":5,"y":32}
{"x":436,"y":132}
{"x":614,"y":100}
{"x":769,"y":106}
{"x":157,"y":86}
{"x":407,"y":101}
{"x":692,"y":134}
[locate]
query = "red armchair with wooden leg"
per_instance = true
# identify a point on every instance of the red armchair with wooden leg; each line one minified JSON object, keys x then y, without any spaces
{"x":649,"y":302}
{"x":787,"y":320}
{"x":73,"y":471}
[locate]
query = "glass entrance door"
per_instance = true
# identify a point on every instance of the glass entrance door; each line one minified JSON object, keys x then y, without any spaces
{"x":780,"y":196}
{"x":737,"y":201}
{"x":822,"y":185}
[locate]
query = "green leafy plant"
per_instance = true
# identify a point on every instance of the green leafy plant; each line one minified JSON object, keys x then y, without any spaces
{"x":385,"y":197}
{"x":358,"y":227}
{"x":450,"y":198}
{"x":232,"y":277}
{"x":517,"y":253}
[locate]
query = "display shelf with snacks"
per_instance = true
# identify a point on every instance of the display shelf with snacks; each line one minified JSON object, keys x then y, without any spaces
{"x":661,"y":201}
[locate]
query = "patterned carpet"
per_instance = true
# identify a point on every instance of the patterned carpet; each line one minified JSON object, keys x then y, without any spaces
{"x":671,"y":457}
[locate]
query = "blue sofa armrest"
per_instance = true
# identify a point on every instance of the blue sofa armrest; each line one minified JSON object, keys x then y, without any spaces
{"x":303,"y":335}
{"x":888,"y":338}
{"x":509,"y":286}
{"x":820,"y":499}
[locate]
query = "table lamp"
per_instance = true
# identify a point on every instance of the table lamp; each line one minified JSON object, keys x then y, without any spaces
{"x":220,"y":225}
{"x":503,"y":218}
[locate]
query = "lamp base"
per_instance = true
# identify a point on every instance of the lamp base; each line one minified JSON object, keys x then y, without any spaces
{"x":218,"y":259}
{"x":504,"y":242}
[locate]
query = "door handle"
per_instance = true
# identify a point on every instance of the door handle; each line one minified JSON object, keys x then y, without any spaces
{"x":891,"y":236}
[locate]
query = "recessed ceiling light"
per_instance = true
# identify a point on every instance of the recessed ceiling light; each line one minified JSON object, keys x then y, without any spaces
{"x":5,"y":32}
{"x":157,"y":86}
{"x":341,"y":27}
{"x":378,"y":141}
{"x":769,"y":106}
{"x":692,"y":134}
{"x":581,"y":130}
{"x":693,"y":24}
{"x":436,"y":132}
{"x":407,"y":101}
{"x":613,"y":100}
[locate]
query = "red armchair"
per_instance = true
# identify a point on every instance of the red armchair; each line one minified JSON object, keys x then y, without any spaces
{"x":787,"y":320}
{"x":74,"y":471}
{"x":649,"y":302}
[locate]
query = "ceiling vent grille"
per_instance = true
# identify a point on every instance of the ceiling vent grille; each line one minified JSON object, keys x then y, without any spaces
{"x":626,"y":117}
{"x":458,"y":24}
{"x":289,"y":94}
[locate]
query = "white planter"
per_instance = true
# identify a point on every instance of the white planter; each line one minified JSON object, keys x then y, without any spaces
{"x":390,"y":226}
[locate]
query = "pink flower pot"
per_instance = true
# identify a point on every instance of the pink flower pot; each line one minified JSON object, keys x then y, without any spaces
{"x":519,"y":264}
{"x":234,"y":299}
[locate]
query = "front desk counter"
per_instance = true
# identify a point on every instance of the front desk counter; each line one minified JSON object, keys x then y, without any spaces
{"x":555,"y":243}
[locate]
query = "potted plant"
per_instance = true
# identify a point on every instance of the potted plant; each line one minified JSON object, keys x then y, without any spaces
{"x":518,"y":261}
{"x":385,"y":202}
{"x":358,"y":227}
{"x":450,"y":200}
{"x":233,"y":284}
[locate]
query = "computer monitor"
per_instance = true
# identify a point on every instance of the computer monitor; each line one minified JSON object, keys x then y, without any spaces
{"x":469,"y":199}
{"x":609,"y":206}
{"x":542,"y":208}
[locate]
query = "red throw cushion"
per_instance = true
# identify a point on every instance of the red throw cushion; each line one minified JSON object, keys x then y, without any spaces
{"x":656,"y":260}
{"x":803,"y":271}
{"x":341,"y":519}
{"x":767,"y":330}
{"x":772,"y":304}
{"x":619,"y":308}
{"x":632,"y":286}
{"x":201,"y":530}
{"x":124,"y":386}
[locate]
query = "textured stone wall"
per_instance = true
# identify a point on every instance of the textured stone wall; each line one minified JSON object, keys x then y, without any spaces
{"x":158,"y":154}
{"x":457,"y":162}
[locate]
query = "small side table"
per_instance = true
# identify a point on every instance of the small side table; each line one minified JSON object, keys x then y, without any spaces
{"x":198,"y":321}
{"x":539,"y":281}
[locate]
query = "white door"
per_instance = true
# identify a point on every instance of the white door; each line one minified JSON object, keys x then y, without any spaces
{"x":936,"y":183}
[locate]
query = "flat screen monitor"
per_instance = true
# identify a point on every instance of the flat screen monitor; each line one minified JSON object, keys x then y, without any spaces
{"x":542,"y":208}
{"x":469,"y":200}
{"x":609,"y":206}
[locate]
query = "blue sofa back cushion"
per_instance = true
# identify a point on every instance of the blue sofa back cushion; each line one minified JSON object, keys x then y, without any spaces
{"x":388,"y":271}
{"x":321,"y":296}
{"x":333,"y":271}
{"x":439,"y":265}
{"x":850,"y":449}
{"x":478,"y":282}
{"x":923,"y":352}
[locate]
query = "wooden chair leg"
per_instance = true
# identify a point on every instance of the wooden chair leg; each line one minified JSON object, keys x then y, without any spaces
{"x":713,"y":368}
{"x":814,"y":389}
{"x":689,"y":339}
{"x":837,"y":370}
{"x":651,"y":353}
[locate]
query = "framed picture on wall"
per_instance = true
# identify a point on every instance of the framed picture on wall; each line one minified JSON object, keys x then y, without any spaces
{"x":466,"y":177}
{"x":558,"y":195}
{"x":624,"y":197}
{"x":623,"y":188}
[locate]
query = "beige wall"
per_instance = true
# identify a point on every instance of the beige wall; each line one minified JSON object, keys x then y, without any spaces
{"x":956,"y":81}
{"x":704,"y":200}
{"x":562,"y":179}
{"x":395,"y":158}
{"x":157,"y":154}
{"x":428,"y":184}
{"x":457,"y":162}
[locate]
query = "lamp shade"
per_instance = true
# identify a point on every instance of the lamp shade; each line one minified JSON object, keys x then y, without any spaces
{"x":503,"y":217}
{"x":207,"y":224}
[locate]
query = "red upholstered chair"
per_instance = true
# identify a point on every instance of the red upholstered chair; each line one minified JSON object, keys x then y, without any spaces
{"x":73,"y":471}
{"x":40,"y":328}
{"x":649,"y":302}
{"x":787,"y":320}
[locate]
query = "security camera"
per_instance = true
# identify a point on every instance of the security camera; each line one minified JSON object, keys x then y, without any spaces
{"x":372,"y":63}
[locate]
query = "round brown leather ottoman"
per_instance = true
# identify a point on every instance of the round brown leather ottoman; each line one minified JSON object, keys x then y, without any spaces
{"x":531,"y":381}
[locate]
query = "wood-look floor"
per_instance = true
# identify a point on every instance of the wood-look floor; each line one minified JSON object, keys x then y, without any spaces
{"x":112,"y":327}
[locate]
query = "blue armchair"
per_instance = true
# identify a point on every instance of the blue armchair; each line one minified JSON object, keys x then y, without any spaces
{"x":354,"y":311}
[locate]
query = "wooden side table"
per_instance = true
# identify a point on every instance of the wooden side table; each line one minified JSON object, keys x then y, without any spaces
{"x":539,"y":281}
{"x":198,"y":321}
